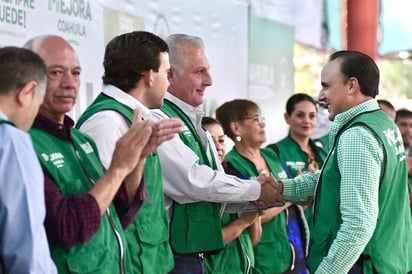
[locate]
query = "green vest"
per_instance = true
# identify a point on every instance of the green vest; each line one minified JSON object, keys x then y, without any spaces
{"x":273,"y":253}
{"x":74,"y":167}
{"x":195,"y":227}
{"x":324,"y":140}
{"x":390,"y":247}
{"x":148,"y":236}
{"x":237,"y":257}
{"x":294,"y":159}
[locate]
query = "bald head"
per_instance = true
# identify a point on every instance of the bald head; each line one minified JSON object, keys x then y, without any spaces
{"x":46,"y":45}
{"x":63,"y":71}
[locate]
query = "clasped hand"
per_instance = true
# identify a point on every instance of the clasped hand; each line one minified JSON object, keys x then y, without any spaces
{"x":270,"y":190}
{"x":142,"y":138}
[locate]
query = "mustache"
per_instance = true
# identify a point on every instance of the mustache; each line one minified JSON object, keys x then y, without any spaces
{"x":66,"y":93}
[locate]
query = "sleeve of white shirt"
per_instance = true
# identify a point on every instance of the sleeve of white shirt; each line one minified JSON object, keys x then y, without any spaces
{"x":23,"y":241}
{"x":105,"y":128}
{"x":186,"y":181}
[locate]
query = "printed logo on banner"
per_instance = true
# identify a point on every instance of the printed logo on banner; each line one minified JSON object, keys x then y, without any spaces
{"x":14,"y":13}
{"x":75,"y":9}
{"x":161,"y":26}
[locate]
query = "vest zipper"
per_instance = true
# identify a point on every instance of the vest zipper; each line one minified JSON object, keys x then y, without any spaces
{"x":292,"y":249}
{"x":247,"y":257}
{"x":119,"y":241}
{"x":109,"y":216}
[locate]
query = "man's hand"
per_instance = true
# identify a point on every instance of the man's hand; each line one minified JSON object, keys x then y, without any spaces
{"x":308,"y":202}
{"x":126,"y":158}
{"x":129,"y":148}
{"x":270,"y":192}
{"x":162,"y":130}
{"x":249,"y":217}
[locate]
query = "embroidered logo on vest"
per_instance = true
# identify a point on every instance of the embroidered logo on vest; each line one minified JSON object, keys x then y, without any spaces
{"x":318,"y":144}
{"x":396,"y":141}
{"x":87,"y":148}
{"x":296,"y":165}
{"x":56,"y":158}
{"x":186,"y":131}
{"x":282,"y":175}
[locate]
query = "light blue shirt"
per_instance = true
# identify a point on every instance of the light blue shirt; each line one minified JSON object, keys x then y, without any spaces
{"x":23,"y":241}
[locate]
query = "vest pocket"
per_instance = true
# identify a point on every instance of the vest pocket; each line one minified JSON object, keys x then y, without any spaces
{"x":200,"y":212}
{"x":229,"y":260}
{"x":153,"y":233}
{"x":89,"y":259}
{"x":275,"y":230}
{"x":205,"y":220}
{"x":188,"y":221}
{"x":321,"y":238}
{"x":154,"y":237}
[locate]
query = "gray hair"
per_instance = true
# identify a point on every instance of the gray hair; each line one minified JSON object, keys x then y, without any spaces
{"x":175,"y":42}
{"x":34,"y":42}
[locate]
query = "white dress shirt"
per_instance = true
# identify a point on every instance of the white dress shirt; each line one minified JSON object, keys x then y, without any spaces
{"x":186,"y":181}
{"x":100,"y":125}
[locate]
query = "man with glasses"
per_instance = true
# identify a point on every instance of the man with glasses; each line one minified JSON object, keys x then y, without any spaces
{"x":403,"y":120}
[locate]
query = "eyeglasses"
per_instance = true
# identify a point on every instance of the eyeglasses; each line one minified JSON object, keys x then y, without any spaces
{"x":256,"y":118}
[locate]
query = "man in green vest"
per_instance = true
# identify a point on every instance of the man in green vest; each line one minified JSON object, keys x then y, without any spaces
{"x":403,"y":120}
{"x":135,"y":76}
{"x":194,"y":181}
{"x":86,"y":208}
{"x":388,"y":108}
{"x":361,"y":218}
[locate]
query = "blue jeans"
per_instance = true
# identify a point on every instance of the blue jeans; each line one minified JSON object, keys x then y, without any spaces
{"x":356,"y":269}
{"x":188,"y":264}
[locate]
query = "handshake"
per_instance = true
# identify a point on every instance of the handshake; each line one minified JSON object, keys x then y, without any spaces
{"x":271,"y":191}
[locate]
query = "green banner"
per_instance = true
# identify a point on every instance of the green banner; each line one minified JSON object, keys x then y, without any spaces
{"x":271,"y":70}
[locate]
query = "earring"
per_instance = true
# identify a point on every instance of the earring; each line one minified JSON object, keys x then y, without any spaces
{"x":238,"y":138}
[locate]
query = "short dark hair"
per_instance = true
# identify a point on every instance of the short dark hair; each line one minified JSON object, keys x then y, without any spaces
{"x":386,"y":103}
{"x":362,"y":67}
{"x":18,"y":66}
{"x":296,"y":99}
{"x":207,"y":120}
{"x":403,"y":113}
{"x":128,"y":55}
{"x":233,"y":111}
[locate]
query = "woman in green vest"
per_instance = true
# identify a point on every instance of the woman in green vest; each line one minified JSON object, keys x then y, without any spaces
{"x":240,"y":231}
{"x":243,"y":123}
{"x":299,"y":153}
